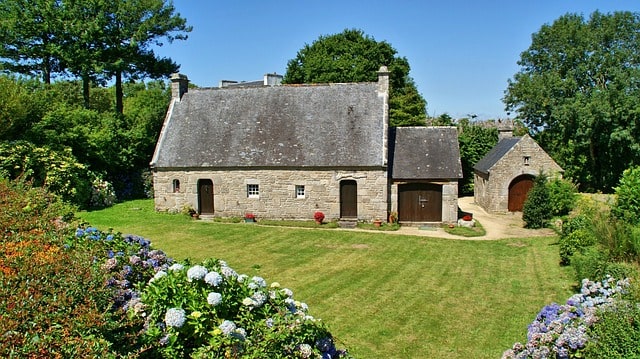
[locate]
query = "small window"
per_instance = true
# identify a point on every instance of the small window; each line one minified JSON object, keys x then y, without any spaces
{"x":253,"y":190}
{"x":300,"y":191}
{"x":526,"y":160}
{"x":176,"y":185}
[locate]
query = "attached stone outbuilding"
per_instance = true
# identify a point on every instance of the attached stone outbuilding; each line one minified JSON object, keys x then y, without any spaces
{"x":504,"y":176}
{"x":425,"y":169}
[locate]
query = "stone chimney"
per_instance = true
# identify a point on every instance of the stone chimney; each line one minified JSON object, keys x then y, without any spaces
{"x":383,"y":79}
{"x":272,"y":79}
{"x":226,"y":83}
{"x":179,"y":85}
{"x":505,"y":129}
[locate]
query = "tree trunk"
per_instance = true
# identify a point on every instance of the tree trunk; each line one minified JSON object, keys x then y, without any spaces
{"x":119,"y":106}
{"x":85,"y":90}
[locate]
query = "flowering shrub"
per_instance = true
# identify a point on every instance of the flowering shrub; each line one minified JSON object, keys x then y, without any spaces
{"x":102,"y":193}
{"x":467,"y":217}
{"x":209,"y":310}
{"x":128,"y":261}
{"x":562,"y":330}
{"x":318,"y":216}
{"x":249,"y":216}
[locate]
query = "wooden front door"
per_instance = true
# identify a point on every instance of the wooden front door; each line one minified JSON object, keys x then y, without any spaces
{"x":205,"y":196}
{"x":420,"y":202}
{"x":348,"y":199}
{"x":518,"y":190}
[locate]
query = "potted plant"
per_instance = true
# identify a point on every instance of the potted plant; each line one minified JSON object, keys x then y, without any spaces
{"x":393,"y":217}
{"x":318,"y":217}
{"x":249,"y":217}
{"x":377,"y":222}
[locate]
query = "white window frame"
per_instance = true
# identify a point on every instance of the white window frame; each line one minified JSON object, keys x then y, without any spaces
{"x":301,"y":191}
{"x":253,"y":190}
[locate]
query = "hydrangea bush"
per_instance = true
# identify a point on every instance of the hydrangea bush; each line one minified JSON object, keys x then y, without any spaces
{"x":560,"y":331}
{"x":128,"y":260}
{"x":208,"y":310}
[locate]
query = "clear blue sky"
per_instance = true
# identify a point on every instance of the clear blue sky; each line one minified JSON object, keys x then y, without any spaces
{"x":461,"y":52}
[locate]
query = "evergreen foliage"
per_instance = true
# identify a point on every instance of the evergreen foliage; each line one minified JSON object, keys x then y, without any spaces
{"x":627,"y":204}
{"x":537,"y":207}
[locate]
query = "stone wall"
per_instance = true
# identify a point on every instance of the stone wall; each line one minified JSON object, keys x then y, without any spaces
{"x":277,"y":198}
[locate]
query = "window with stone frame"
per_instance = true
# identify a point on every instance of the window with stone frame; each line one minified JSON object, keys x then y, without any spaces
{"x":176,"y":185}
{"x":253,"y":191}
{"x":300,"y":191}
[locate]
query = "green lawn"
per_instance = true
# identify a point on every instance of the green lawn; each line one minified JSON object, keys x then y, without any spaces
{"x":382,"y":295}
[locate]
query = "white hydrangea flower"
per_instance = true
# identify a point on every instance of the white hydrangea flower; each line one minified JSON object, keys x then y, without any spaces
{"x":175,"y":317}
{"x":227,"y":327}
{"x":176,"y":267}
{"x":214,"y":298}
{"x":157,"y":276}
{"x":213,"y":279}
{"x":196,"y":272}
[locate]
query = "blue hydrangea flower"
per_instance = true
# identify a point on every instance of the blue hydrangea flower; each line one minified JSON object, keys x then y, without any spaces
{"x":79,"y":232}
{"x":213,"y":279}
{"x":214,"y":298}
{"x":196,"y":272}
{"x":257,"y":282}
{"x":175,"y":317}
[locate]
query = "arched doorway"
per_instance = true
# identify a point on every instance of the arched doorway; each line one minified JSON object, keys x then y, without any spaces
{"x":348,"y":199}
{"x":420,"y":202}
{"x":518,"y":190}
{"x":205,"y":196}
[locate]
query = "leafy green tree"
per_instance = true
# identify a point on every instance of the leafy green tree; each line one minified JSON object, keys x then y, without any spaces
{"x":137,"y":26}
{"x":14,"y":107}
{"x":577,"y":91}
{"x":352,"y":56}
{"x":475,"y":141}
{"x":95,"y":40}
{"x":627,"y":204}
{"x":30,"y":37}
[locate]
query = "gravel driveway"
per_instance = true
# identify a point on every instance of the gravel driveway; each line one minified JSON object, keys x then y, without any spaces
{"x":497,"y":226}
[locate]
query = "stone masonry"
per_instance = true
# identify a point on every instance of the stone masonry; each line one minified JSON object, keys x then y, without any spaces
{"x":277,"y":198}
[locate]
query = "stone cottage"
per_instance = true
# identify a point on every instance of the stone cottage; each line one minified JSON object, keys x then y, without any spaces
{"x":287,"y":151}
{"x":504,"y":176}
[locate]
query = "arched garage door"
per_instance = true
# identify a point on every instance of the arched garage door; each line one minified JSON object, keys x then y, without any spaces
{"x":518,"y":190}
{"x":420,"y":202}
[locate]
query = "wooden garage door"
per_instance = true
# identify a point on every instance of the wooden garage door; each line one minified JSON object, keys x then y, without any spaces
{"x":205,"y":196}
{"x":348,"y":199}
{"x":420,"y":202}
{"x":518,"y":190}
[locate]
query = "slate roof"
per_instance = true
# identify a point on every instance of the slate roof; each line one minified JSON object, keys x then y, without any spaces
{"x":332,"y":125}
{"x":425,"y":153}
{"x":495,"y":154}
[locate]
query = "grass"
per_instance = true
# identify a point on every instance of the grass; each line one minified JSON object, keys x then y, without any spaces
{"x":476,"y":231}
{"x":381,"y":294}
